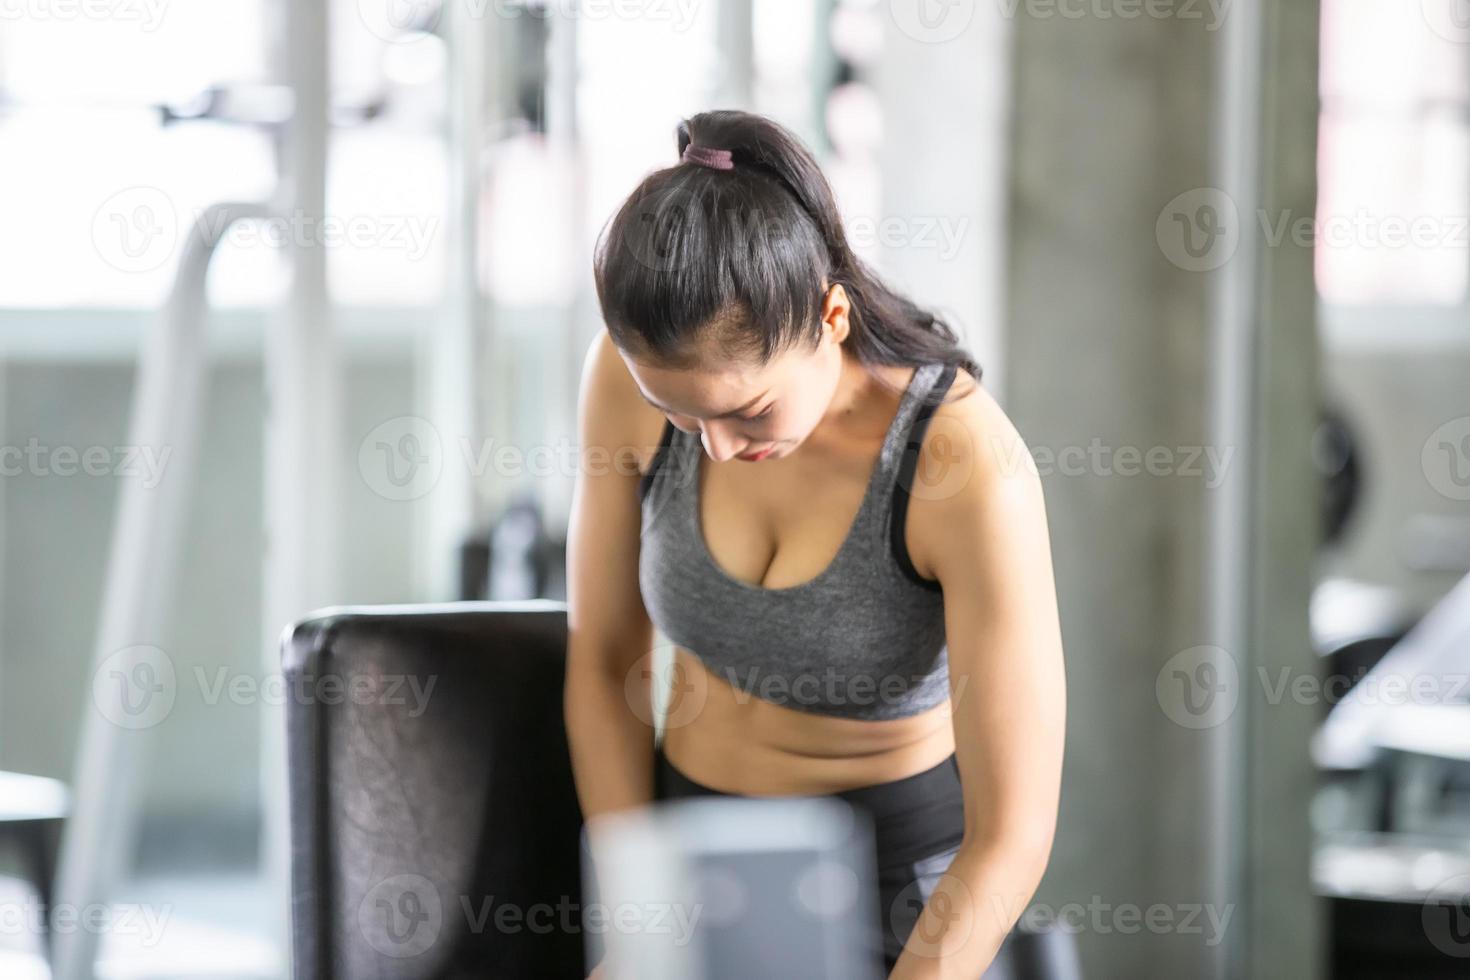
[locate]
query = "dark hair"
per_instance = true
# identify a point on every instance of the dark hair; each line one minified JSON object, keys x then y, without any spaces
{"x":736,"y":257}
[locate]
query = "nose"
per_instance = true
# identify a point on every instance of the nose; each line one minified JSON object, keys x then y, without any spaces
{"x":720,"y":442}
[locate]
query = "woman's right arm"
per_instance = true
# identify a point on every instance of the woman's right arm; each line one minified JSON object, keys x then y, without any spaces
{"x":608,"y":692}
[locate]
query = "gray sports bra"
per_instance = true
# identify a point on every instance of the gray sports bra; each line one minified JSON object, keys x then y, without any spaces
{"x":864,"y":639}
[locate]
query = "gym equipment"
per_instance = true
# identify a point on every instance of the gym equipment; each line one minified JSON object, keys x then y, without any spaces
{"x":434,"y":822}
{"x":1396,"y":808}
{"x":734,"y":887}
{"x":32,"y":810}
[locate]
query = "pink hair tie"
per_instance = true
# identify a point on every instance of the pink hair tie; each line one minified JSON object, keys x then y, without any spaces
{"x":709,"y":157}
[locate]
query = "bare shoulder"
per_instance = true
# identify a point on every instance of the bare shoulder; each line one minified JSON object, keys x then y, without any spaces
{"x":614,"y":416}
{"x":973,"y":466}
{"x":971,"y":432}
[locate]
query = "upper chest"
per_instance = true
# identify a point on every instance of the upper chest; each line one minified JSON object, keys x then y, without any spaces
{"x":781,"y":523}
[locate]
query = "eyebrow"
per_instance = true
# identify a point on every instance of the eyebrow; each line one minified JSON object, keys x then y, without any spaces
{"x":723,"y":415}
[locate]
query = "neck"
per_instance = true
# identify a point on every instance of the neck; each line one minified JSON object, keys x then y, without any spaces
{"x":862,"y":404}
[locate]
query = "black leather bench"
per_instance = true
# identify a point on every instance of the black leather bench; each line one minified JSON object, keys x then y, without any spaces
{"x":434,"y":823}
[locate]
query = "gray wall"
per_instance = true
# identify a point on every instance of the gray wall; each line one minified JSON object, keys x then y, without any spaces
{"x":57,"y":535}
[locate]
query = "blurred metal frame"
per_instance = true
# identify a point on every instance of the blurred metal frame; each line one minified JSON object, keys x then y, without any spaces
{"x":451,"y":355}
{"x":142,"y":565}
{"x":298,"y":565}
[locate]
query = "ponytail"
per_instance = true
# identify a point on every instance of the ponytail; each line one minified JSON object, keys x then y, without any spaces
{"x":678,"y":266}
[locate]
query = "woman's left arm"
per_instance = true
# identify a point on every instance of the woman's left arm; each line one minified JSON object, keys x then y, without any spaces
{"x":991,"y":553}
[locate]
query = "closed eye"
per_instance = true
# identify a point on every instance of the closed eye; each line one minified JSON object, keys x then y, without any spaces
{"x":766,"y":411}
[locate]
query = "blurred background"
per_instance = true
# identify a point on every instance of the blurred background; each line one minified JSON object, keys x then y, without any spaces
{"x":294,"y":296}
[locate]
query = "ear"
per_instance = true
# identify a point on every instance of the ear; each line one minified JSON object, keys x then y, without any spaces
{"x":835,"y":311}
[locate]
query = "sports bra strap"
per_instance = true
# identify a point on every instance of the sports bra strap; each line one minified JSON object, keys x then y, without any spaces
{"x":660,"y":457}
{"x":906,"y":468}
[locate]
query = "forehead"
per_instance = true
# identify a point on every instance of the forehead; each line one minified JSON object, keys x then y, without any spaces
{"x":702,"y":391}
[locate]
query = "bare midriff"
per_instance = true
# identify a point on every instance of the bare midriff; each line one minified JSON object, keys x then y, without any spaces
{"x":736,"y":742}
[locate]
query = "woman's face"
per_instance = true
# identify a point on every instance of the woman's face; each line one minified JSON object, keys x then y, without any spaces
{"x":750,"y":413}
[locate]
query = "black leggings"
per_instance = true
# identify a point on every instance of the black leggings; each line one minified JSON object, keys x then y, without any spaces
{"x":917,"y":825}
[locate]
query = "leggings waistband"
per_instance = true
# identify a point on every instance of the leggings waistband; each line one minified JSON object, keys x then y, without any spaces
{"x":912,"y":817}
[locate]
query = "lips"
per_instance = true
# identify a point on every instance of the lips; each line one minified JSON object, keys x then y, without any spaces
{"x":760,"y":455}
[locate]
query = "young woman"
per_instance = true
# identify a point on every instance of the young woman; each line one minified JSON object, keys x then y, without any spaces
{"x":793,"y":473}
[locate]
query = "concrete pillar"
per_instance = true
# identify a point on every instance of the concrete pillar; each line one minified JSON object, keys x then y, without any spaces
{"x":1193,"y":801}
{"x":944,"y":88}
